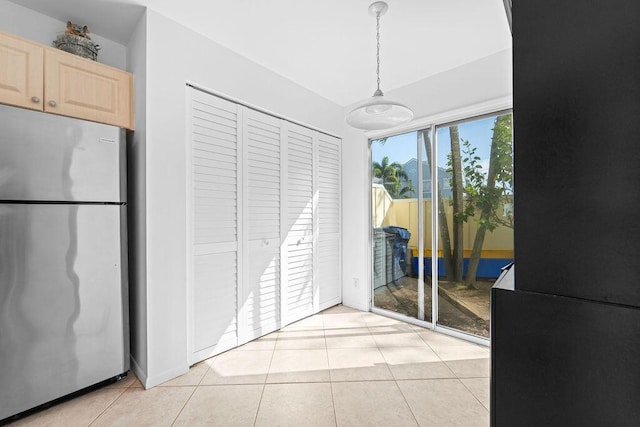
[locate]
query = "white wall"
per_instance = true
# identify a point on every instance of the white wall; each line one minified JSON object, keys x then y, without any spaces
{"x":136,"y":171}
{"x":43,"y":29}
{"x":355,"y":217}
{"x":473,"y":84}
{"x":176,"y":55}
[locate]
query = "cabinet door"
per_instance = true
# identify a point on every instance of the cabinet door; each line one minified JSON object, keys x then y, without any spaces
{"x":298,"y":291}
{"x":21,"y":68}
{"x":215,"y":217}
{"x":85,"y":89}
{"x":329,"y":214}
{"x":261,"y":284}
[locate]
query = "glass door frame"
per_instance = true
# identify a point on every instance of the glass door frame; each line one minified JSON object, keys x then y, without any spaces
{"x":494,"y":108}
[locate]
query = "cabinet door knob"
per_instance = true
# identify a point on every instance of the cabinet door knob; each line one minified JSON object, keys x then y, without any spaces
{"x":35,"y":99}
{"x":52,"y":103}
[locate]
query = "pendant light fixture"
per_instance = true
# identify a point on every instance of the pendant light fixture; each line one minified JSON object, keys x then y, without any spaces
{"x":379,"y":112}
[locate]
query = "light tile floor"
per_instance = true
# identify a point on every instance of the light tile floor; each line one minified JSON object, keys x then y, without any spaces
{"x":340,"y":367}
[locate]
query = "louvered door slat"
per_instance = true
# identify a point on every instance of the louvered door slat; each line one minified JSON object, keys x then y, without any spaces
{"x":214,"y":209}
{"x":262,"y":200}
{"x":329,"y":212}
{"x":300,"y":224}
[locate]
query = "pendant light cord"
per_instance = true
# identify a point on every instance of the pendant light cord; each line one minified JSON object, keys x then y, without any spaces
{"x":379,"y":112}
{"x":378,"y":51}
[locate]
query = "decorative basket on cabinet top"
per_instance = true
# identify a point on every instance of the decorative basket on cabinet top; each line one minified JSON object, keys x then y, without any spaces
{"x":77,"y":45}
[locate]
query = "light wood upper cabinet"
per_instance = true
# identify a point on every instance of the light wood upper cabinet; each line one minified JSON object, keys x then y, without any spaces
{"x":81,"y":88}
{"x":47,"y":79}
{"x":21,"y":72}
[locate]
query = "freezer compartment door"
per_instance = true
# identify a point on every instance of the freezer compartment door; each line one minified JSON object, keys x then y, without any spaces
{"x":63,"y":301}
{"x":46,"y":157}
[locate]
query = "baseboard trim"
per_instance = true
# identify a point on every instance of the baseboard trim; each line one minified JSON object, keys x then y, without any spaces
{"x":152,"y":381}
{"x":142,"y":376}
{"x":360,"y":307}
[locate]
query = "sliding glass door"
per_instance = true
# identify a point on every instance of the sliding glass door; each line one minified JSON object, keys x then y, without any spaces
{"x":444,"y":232}
{"x":397,"y":221}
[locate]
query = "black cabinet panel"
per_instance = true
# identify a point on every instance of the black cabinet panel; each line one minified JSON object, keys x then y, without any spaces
{"x":577,"y":148}
{"x":560,"y":361}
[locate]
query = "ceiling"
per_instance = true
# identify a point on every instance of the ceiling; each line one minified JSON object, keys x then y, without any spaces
{"x":326,"y":46}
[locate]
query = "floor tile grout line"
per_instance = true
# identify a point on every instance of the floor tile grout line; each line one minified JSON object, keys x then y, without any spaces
{"x":333,"y":402}
{"x":209,"y":366}
{"x":472,"y":393}
{"x":266,"y":377}
{"x":335,"y":381}
{"x":386,"y":362}
{"x":194,"y":387}
{"x":448,"y":366}
{"x":415,"y":418}
{"x":255,"y":417}
{"x":184,"y":405}
{"x":326,"y":352}
{"x":124,"y":389}
{"x":392,"y":378}
{"x":435,"y":352}
{"x":205,"y":372}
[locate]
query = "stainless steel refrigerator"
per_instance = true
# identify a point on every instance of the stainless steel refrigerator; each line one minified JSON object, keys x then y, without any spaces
{"x":63,"y":257}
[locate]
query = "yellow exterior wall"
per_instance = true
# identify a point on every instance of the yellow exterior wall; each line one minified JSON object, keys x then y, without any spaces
{"x":380,"y":204}
{"x":404,"y":213}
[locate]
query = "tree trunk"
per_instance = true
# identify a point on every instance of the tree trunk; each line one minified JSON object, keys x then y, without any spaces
{"x":478,"y":242}
{"x":458,"y":204}
{"x":443,"y":225}
{"x":474,"y":259}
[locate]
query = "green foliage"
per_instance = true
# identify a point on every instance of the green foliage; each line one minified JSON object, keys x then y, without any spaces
{"x":394,"y":178}
{"x":486,"y":190}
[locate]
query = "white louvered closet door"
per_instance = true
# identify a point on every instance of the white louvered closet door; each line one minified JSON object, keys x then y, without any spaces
{"x":215,"y":185}
{"x":329,"y":220}
{"x":260,"y":312}
{"x":298,"y":285}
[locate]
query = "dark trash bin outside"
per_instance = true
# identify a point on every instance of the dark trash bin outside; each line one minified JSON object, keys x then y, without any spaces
{"x":400,"y":240}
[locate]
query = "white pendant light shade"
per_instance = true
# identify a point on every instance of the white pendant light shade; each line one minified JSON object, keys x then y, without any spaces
{"x":379,"y":113}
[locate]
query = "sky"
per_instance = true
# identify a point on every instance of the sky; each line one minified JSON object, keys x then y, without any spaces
{"x":402,"y":148}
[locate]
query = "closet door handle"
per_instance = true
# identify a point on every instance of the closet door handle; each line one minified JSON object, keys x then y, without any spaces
{"x":52,"y":103}
{"x":35,"y":99}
